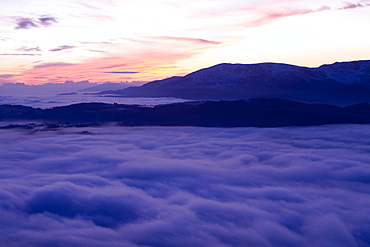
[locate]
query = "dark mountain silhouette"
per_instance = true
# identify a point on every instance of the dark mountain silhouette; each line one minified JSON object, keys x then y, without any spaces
{"x":342,"y":83}
{"x":253,"y":113}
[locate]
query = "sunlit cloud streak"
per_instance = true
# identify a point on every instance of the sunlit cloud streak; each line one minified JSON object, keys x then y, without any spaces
{"x":19,"y":54}
{"x":121,"y":72}
{"x":273,"y":15}
{"x":114,"y":66}
{"x":186,"y":186}
{"x":61,"y":48}
{"x":354,"y":5}
{"x":46,"y":65}
{"x":169,"y":38}
{"x":273,"y":12}
{"x":29,"y":49}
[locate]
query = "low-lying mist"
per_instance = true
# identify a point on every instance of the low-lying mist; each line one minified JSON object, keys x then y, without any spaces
{"x":185,"y":186}
{"x":53,"y":100}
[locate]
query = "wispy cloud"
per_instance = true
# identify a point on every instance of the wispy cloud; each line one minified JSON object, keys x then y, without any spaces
{"x":355,"y":5}
{"x":121,"y":72}
{"x":96,"y":4}
{"x":29,"y":22}
{"x":97,"y":51}
{"x":46,"y":65}
{"x":273,"y":15}
{"x":25,"y":23}
{"x":61,"y":48}
{"x":195,"y":40}
{"x":47,"y":20}
{"x":113,"y":66}
{"x":19,"y":54}
{"x":96,"y":43}
{"x":29,"y":49}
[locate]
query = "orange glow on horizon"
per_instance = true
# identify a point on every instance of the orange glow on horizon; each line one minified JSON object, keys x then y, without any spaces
{"x":100,"y":71}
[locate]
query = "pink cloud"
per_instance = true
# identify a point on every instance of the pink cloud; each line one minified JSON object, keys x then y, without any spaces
{"x":6,"y":76}
{"x":287,"y":12}
{"x":271,"y":13}
{"x":199,"y":41}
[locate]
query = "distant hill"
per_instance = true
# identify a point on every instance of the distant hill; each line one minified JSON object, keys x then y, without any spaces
{"x":66,"y":88}
{"x":253,"y":113}
{"x":342,"y":83}
{"x":110,"y":86}
{"x":48,"y":88}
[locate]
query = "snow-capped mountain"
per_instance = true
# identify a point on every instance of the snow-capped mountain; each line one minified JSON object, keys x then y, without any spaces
{"x":338,"y":83}
{"x":348,"y":73}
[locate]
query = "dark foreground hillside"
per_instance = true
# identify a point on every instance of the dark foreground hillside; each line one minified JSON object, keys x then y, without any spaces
{"x":253,"y":113}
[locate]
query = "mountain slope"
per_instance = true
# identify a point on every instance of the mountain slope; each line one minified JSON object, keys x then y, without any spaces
{"x":338,"y":83}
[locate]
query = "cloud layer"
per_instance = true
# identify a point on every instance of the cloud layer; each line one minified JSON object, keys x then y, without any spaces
{"x":186,"y":187}
{"x":26,"y":95}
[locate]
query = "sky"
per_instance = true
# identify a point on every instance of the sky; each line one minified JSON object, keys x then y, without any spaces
{"x":185,"y":186}
{"x":52,"y":41}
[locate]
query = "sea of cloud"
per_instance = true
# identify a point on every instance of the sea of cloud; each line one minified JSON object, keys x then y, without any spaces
{"x":185,"y":186}
{"x":53,"y":100}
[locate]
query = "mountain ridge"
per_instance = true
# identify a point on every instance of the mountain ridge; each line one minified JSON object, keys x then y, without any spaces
{"x":328,"y":83}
